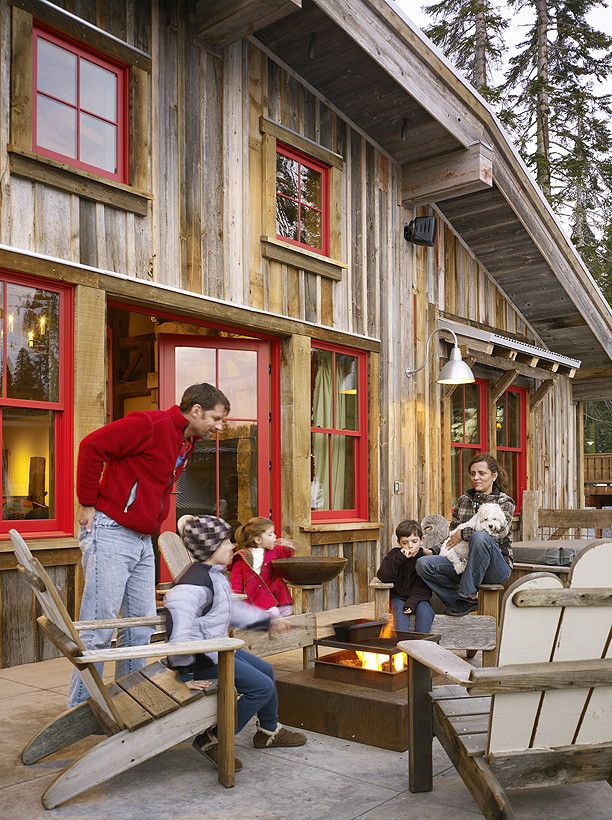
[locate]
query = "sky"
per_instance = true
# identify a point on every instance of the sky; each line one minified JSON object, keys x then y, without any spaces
{"x":600,"y":18}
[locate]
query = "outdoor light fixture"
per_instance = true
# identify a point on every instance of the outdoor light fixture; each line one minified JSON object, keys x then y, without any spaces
{"x":421,"y":231}
{"x":455,"y":371}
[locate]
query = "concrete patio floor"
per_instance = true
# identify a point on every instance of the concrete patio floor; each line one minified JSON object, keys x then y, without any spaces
{"x":327,"y":778}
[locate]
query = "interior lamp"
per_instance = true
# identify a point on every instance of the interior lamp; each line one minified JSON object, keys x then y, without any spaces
{"x":455,"y":371}
{"x":348,"y":385}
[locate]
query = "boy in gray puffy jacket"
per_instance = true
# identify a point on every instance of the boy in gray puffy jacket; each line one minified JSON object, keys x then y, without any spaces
{"x":201,"y":606}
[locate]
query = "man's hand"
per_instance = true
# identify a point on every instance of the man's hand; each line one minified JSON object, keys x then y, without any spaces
{"x":454,"y":538}
{"x":279,"y":625}
{"x":85,"y":517}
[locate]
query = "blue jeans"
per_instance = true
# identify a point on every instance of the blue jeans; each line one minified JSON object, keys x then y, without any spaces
{"x":419,"y":621}
{"x":255,"y":683}
{"x":485,"y":565}
{"x":119,"y":570}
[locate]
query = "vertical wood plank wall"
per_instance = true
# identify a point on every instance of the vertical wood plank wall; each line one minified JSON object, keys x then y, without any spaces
{"x":202,"y":233}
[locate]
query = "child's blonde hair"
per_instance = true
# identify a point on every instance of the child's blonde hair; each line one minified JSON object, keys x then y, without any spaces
{"x":246,"y":534}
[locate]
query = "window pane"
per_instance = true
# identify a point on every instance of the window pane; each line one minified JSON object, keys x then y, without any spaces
{"x":56,"y":71}
{"x":322,"y":387}
{"x":193,"y":365}
{"x":514,"y":420}
{"x":310,"y":233}
{"x":1,"y":338}
{"x":310,"y":186}
{"x":455,"y":472}
{"x":98,"y":144}
{"x":196,"y":488}
{"x":457,"y":415}
{"x":319,"y":472}
{"x":287,"y":176}
{"x":98,"y":90}
{"x":343,"y":472}
{"x":286,"y":218}
{"x":55,"y":126}
{"x":472,"y":414}
{"x":347,"y":397}
{"x":238,"y":380}
{"x":500,"y":422}
{"x":28,"y":464}
{"x":32,"y":322}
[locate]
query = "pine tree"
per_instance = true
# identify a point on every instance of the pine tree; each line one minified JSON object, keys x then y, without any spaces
{"x":469,"y":32}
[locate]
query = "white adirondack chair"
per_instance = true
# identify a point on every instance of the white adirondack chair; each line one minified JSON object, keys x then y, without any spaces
{"x":543,"y":716}
{"x":143,"y":713}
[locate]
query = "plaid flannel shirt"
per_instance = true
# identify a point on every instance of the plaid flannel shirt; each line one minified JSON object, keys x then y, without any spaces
{"x":467,"y":505}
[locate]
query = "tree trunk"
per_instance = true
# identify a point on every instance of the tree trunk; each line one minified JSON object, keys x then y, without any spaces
{"x":480,"y":58}
{"x":542,"y":102}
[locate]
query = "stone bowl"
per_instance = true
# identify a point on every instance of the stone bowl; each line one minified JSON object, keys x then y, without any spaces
{"x":308,"y":570}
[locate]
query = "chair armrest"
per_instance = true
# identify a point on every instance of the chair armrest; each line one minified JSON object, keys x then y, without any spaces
{"x":121,"y":653}
{"x":121,"y":623}
{"x":375,"y":583}
{"x":439,"y":659}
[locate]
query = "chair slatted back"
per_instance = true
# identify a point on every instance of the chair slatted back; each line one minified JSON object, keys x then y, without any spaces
{"x":174,"y":552}
{"x":54,"y":609}
{"x":560,"y":717}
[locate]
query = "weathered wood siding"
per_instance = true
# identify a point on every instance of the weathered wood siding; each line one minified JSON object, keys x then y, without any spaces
{"x":202,"y":233}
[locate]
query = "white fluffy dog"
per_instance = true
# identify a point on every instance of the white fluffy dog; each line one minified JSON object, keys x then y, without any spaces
{"x":489,"y":518}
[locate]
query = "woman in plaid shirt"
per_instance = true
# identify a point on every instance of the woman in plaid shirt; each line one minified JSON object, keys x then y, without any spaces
{"x":489,"y":559}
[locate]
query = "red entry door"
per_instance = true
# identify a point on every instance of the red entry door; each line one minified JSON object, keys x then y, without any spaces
{"x":229,"y":475}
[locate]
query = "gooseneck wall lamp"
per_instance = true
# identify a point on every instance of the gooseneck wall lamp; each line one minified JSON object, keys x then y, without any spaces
{"x":455,"y":371}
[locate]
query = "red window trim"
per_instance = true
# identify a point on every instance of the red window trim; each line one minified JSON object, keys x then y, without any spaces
{"x":315,"y":165}
{"x":481,"y":447}
{"x":121,"y":123}
{"x":63,"y":522}
{"x":522,"y":449}
{"x":360,"y":511}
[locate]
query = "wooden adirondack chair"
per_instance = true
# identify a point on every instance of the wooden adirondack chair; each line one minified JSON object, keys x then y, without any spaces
{"x":143,"y":713}
{"x":543,"y":716}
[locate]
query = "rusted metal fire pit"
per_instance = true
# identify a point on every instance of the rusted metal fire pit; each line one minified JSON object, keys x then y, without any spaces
{"x":340,"y":699}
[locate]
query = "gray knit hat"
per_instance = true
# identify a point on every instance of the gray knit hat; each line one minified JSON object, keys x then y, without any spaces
{"x":203,"y":535}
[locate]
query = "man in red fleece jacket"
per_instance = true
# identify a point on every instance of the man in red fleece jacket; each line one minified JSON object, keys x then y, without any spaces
{"x":125,"y":473}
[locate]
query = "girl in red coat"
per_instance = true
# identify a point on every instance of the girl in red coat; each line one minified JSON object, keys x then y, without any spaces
{"x":251,"y":570}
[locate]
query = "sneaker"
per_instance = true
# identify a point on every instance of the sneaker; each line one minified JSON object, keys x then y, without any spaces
{"x":462,"y":606}
{"x":281,"y":736}
{"x":209,"y":748}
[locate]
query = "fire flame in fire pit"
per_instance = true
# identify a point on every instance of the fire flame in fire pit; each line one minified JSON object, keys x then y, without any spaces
{"x":376,"y":661}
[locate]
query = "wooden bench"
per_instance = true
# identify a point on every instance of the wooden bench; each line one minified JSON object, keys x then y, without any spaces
{"x":472,"y":634}
{"x":143,"y":713}
{"x":543,"y":716}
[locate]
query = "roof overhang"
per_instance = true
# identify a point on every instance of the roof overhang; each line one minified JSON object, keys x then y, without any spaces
{"x":381,"y":72}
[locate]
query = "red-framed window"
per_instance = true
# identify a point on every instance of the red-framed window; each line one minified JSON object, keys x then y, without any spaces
{"x":339,"y":423}
{"x":468,"y":431}
{"x":302,"y":200}
{"x":79,"y":105}
{"x":511,"y":435}
{"x":36,"y":406}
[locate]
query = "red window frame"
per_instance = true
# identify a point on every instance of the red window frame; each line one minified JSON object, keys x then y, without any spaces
{"x":481,"y":446}
{"x":314,"y":165}
{"x":360,"y":511}
{"x":120,"y":122}
{"x":521,"y":450}
{"x":63,"y":521}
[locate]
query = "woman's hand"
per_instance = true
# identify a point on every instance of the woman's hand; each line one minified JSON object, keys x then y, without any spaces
{"x":454,"y":538}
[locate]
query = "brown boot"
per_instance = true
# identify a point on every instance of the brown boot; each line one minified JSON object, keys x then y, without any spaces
{"x":208,"y":746}
{"x":281,"y":736}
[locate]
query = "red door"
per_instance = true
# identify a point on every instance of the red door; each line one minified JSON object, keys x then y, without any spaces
{"x":229,"y":475}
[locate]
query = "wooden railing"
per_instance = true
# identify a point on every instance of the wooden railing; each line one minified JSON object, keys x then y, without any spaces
{"x":598,"y":468}
{"x":540,"y":524}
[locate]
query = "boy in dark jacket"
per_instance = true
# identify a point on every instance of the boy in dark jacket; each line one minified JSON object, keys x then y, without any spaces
{"x":410,"y":596}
